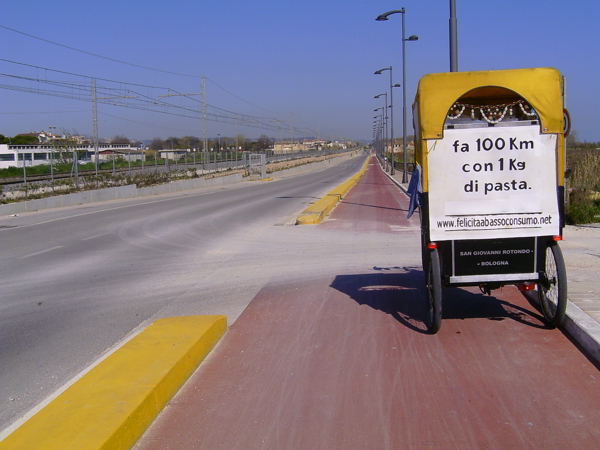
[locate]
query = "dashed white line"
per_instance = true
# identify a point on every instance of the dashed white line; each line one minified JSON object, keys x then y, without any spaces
{"x":95,"y":236}
{"x":39,"y":253}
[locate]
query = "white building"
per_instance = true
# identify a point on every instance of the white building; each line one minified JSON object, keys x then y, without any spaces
{"x":172,"y":153}
{"x":314,"y":144}
{"x":284,"y":147}
{"x":35,"y":154}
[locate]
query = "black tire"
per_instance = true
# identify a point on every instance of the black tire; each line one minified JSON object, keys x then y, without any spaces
{"x":434,"y":291}
{"x":553,"y":288}
{"x":423,"y":251}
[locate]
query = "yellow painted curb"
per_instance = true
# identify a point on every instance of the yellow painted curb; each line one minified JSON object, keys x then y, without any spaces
{"x":113,"y":404}
{"x":316,"y":212}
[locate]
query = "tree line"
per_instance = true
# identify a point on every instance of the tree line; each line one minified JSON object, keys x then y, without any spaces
{"x":574,"y":142}
{"x":222,"y":143}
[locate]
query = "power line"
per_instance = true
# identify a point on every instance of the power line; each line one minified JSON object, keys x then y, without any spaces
{"x":125,"y":63}
{"x":45,"y":112}
{"x":242,"y":117}
{"x":79,"y":75}
{"x":82,"y":93}
{"x":245,"y":101}
{"x":124,"y":96}
{"x":134,"y":65}
{"x":98,"y":56}
{"x":143,"y":123}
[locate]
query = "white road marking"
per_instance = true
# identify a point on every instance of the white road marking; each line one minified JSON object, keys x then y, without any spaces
{"x":95,"y":236}
{"x":402,"y":228}
{"x":43,"y":251}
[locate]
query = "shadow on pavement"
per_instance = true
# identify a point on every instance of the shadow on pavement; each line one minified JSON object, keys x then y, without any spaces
{"x":370,"y":183}
{"x":374,"y":206}
{"x":300,"y":197}
{"x":401,"y":293}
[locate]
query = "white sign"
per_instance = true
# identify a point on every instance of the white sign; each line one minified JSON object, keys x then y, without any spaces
{"x":487,"y":183}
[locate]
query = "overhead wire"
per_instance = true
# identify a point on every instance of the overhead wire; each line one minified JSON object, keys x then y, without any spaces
{"x":97,"y":55}
{"x":135,"y":98}
{"x":44,"y":112}
{"x":83,"y":92}
{"x":134,"y":65}
{"x":242,"y":119}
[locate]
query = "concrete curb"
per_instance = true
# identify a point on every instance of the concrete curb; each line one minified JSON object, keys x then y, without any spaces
{"x":112,"y":405}
{"x":584,"y":329}
{"x":577,"y":324}
{"x":316,"y":212}
{"x":581,"y":327}
{"x":396,"y":182}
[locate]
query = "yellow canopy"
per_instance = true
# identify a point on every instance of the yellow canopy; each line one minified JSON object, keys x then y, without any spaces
{"x":438,"y":91}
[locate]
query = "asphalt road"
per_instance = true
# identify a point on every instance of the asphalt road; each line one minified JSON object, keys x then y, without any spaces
{"x":78,"y":281}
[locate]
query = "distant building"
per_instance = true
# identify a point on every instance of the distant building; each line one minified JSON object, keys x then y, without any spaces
{"x":284,"y":147}
{"x":46,"y":136}
{"x":399,"y":148}
{"x":314,"y":144}
{"x":172,"y":153}
{"x":338,"y":144}
{"x":123,"y":152}
{"x":35,"y":154}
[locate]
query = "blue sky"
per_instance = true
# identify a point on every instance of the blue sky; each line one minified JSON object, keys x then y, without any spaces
{"x":308,"y":62}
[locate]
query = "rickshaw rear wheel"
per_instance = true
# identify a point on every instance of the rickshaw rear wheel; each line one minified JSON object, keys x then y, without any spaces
{"x":423,"y":250}
{"x":553,"y":287}
{"x":434,"y":291}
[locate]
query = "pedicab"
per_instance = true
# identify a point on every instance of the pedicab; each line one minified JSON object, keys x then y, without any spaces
{"x":489,"y":183}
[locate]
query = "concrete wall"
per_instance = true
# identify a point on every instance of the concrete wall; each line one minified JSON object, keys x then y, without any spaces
{"x":78,"y":198}
{"x":115,"y":193}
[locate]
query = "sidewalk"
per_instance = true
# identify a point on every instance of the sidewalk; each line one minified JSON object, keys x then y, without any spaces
{"x":581,"y":250}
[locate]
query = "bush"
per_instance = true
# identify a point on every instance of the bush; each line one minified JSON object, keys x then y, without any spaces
{"x":584,"y":205}
{"x":582,"y":209}
{"x":586,"y":173}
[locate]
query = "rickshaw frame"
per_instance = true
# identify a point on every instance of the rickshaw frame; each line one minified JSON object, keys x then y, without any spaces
{"x":437,"y":95}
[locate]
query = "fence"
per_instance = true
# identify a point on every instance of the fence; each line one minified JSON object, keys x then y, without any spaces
{"x":70,"y":177}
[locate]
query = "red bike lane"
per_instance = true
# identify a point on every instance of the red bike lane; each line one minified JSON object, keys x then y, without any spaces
{"x":375,"y":205}
{"x":346,"y":362}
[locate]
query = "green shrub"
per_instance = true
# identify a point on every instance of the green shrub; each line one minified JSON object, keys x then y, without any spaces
{"x":582,"y":209}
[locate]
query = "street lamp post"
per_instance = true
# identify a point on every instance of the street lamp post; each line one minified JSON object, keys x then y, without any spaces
{"x":375,"y":137}
{"x":453,"y":37}
{"x":376,"y":133}
{"x":379,"y":72}
{"x":388,"y":126}
{"x":52,"y":157}
{"x":383,"y":126}
{"x":393,"y":143}
{"x":219,"y":152}
{"x":380,"y":133}
{"x":167,"y":158}
{"x":411,"y":38}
